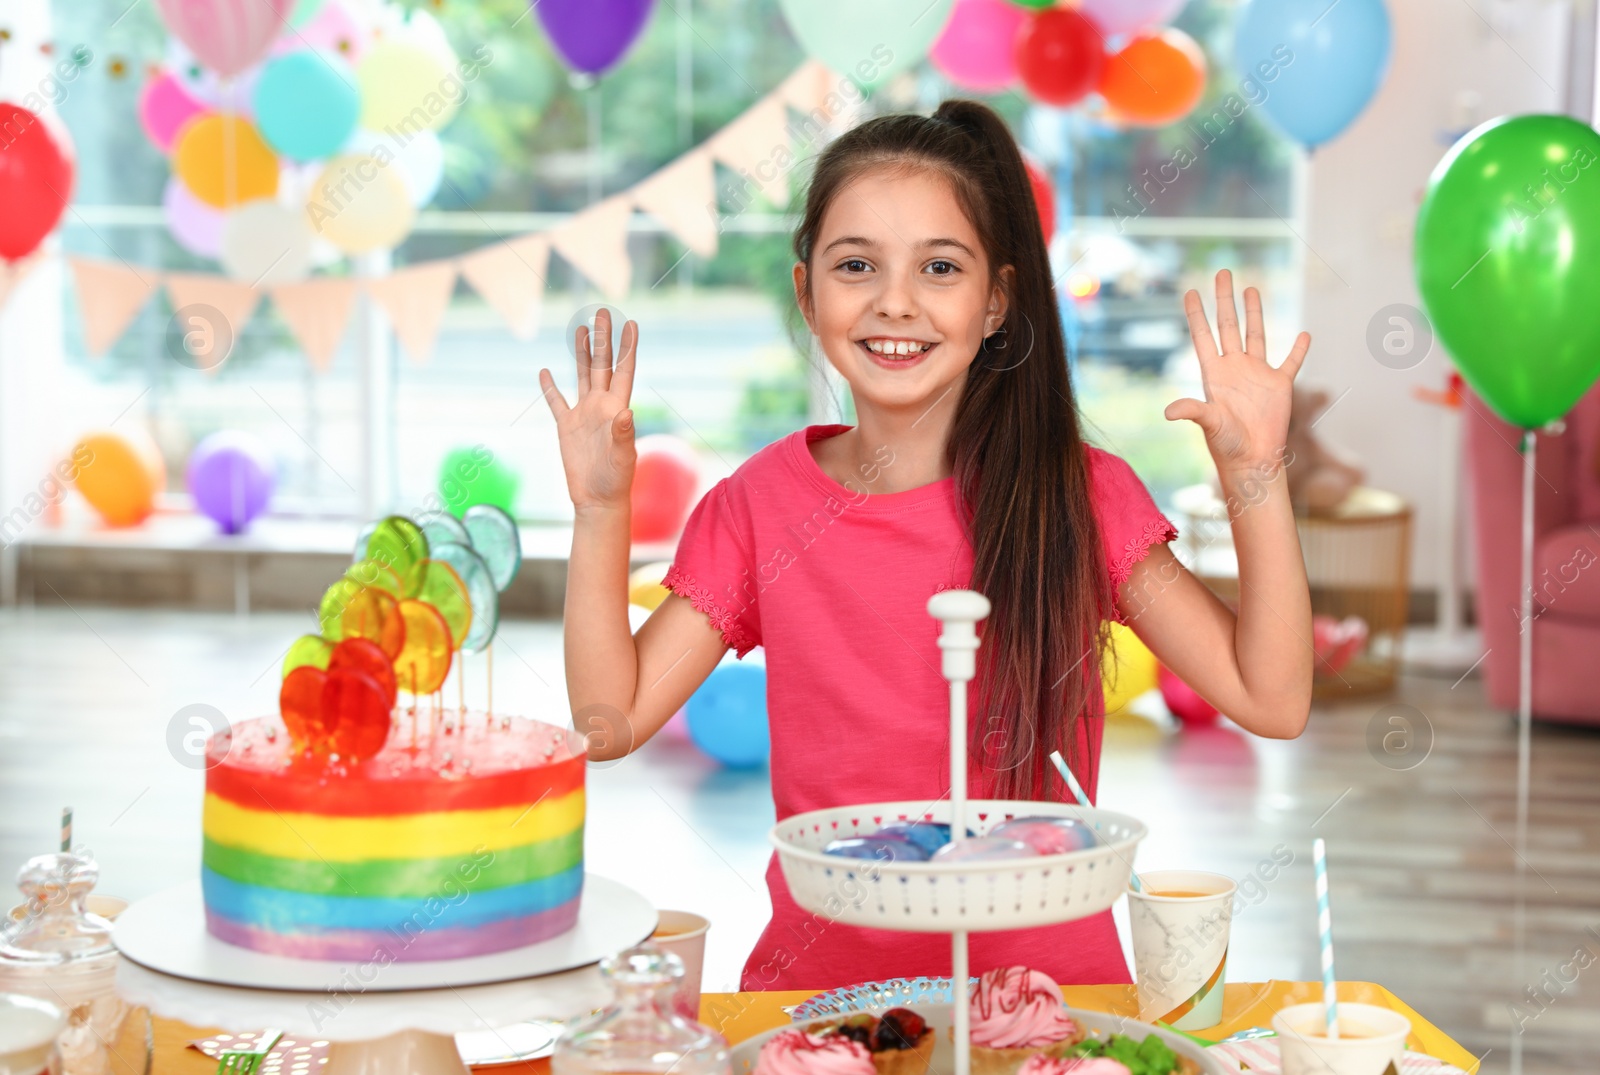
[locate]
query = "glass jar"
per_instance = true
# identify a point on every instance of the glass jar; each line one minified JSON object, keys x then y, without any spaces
{"x":640,"y":1033}
{"x":53,"y":948}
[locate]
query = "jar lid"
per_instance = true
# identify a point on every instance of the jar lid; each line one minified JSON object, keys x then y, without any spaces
{"x":55,"y":927}
{"x":643,"y":965}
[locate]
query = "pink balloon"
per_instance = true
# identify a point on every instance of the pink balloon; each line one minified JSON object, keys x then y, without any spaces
{"x":333,"y":30}
{"x":1125,"y":16}
{"x":196,"y":226}
{"x":163,"y":108}
{"x":226,"y":35}
{"x":1182,"y":700}
{"x":978,"y":48}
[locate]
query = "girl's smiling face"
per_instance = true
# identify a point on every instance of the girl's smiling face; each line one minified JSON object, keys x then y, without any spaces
{"x":901,"y":296}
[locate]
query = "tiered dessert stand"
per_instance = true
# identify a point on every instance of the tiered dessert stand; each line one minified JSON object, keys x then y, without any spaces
{"x":960,"y":896}
{"x":380,"y":1018}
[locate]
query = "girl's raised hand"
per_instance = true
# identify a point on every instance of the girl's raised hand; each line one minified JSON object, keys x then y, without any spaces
{"x":1245,"y":415}
{"x":596,"y":435}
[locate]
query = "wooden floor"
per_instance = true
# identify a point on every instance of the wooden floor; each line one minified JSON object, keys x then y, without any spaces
{"x":1424,"y":877}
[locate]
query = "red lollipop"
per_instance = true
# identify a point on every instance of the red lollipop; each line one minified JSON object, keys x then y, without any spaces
{"x":1060,"y":55}
{"x":358,"y":708}
{"x":365,"y":656}
{"x":300,"y":703}
{"x":35,"y":181}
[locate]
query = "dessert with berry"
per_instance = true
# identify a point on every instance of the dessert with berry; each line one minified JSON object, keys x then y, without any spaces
{"x":900,"y":1041}
{"x":1018,"y":1013}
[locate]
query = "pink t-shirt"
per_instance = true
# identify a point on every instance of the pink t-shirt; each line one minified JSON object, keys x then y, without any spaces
{"x":833,"y":582}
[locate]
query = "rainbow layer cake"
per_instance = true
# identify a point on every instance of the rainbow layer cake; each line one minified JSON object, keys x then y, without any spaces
{"x":461,"y":836}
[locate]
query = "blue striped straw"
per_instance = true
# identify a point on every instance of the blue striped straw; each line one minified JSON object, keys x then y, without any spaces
{"x":1083,"y":800}
{"x":1330,"y":997}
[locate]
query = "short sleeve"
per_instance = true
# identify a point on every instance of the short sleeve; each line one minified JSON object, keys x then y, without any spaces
{"x":713,"y":568}
{"x":1130,"y":522}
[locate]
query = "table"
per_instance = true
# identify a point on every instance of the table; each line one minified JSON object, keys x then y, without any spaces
{"x":742,"y":1015}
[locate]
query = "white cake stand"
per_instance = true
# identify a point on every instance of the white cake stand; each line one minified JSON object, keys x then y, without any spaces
{"x":394,"y":1019}
{"x":955,"y":897}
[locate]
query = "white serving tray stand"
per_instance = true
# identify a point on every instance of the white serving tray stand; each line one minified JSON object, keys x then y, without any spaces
{"x":393,"y":1019}
{"x":956,"y":897}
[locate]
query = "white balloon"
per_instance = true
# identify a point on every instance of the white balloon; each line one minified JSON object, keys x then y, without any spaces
{"x":265,"y":242}
{"x":419,"y":157}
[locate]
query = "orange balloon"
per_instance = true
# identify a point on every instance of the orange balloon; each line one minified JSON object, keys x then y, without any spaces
{"x":119,"y":476}
{"x":1157,"y":78}
{"x":224,"y":161}
{"x":424,"y":660}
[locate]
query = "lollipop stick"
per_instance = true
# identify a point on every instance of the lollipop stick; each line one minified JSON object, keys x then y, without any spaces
{"x":1330,"y":998}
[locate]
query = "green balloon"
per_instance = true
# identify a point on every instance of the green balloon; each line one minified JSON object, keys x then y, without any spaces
{"x":1508,"y":263}
{"x":868,"y":42}
{"x":471,"y":476}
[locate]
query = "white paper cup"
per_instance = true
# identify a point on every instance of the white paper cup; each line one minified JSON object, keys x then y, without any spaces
{"x":28,"y":1031}
{"x":1180,"y":946}
{"x":1304,"y":1050}
{"x":683,"y":933}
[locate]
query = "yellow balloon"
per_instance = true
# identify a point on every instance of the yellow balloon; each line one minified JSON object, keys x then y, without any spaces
{"x":224,"y":162}
{"x":360,"y":203}
{"x":644,"y":586}
{"x":406,"y":88}
{"x":1127,"y":668}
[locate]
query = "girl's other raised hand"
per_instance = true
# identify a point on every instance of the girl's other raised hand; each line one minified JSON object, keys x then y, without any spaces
{"x":596,"y":434}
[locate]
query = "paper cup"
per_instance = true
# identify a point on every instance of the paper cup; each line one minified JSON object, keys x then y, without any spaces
{"x":1180,"y":946}
{"x":684,"y":934}
{"x":1370,"y":1039}
{"x":28,"y":1031}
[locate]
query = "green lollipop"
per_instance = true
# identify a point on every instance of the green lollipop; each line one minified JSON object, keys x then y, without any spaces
{"x":495,"y":538}
{"x":397,"y":543}
{"x":308,"y":649}
{"x":437,"y":583}
{"x":442,"y":527}
{"x":480,"y":590}
{"x":361,"y":542}
{"x":373,"y":573}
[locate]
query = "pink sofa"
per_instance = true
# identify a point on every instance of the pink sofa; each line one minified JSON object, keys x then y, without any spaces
{"x":1566,"y":558}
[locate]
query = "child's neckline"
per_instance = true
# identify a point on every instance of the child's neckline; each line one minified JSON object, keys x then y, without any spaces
{"x":860,"y":497}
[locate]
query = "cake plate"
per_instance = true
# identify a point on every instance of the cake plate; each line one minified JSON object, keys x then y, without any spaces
{"x":378,"y":1016}
{"x":955,"y":897}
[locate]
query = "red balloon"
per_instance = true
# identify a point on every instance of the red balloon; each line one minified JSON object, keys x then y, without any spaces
{"x":36,"y":173}
{"x":1044,"y":196}
{"x":1182,"y":699}
{"x":300,"y":704}
{"x":664,"y":483}
{"x":365,"y":656}
{"x":1060,"y":54}
{"x":359,"y":709}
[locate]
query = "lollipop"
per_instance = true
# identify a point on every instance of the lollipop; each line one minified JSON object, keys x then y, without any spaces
{"x":300,"y":704}
{"x":443,"y":527}
{"x":495,"y":538}
{"x":424,"y":661}
{"x":481,"y":592}
{"x":397,"y":542}
{"x":437,"y":583}
{"x":312,"y":650}
{"x":365,"y":657}
{"x":356,"y":709}
{"x":375,"y":573}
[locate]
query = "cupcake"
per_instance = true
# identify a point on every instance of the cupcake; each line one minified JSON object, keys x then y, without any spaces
{"x":795,"y":1052}
{"x":900,"y":1041}
{"x":1017,"y":1014}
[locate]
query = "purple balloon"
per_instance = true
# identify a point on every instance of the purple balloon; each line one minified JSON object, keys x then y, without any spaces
{"x":230,"y":477}
{"x":591,"y":35}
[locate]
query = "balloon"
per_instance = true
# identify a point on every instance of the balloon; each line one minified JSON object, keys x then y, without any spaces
{"x":437,"y":583}
{"x":406,"y":86}
{"x":312,"y":650}
{"x":359,"y":204}
{"x":164,"y":108}
{"x":644,"y":586}
{"x":231,"y":476}
{"x":1127,"y":668}
{"x":1336,"y":642}
{"x":36,"y":174}
{"x":1125,"y":16}
{"x":332,"y":29}
{"x":1324,"y":62}
{"x":728,"y":715}
{"x":665,"y":477}
{"x":1044,"y":196}
{"x":1060,"y":55}
{"x":365,"y":657}
{"x":265,"y":242}
{"x":305,"y":11}
{"x":306,"y":104}
{"x":870,"y":42}
{"x":482,"y":595}
{"x":1182,"y":700}
{"x":357,"y":710}
{"x":194,"y":225}
{"x":1507,"y":252}
{"x":424,"y":662}
{"x":226,"y":35}
{"x":121,"y":478}
{"x":978,"y":49}
{"x":224,"y":162}
{"x":495,"y":538}
{"x":398,"y":543}
{"x":592,"y":35}
{"x":1156,"y":79}
{"x":300,"y":705}
{"x":419,"y":158}
{"x":469,"y":476}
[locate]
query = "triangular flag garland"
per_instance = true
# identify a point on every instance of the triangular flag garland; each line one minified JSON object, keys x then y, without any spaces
{"x":509,"y":275}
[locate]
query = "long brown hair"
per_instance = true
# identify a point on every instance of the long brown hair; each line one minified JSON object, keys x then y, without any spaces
{"x":1035,"y":543}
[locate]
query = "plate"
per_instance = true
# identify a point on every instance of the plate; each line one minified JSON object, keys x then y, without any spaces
{"x":941,"y":1017}
{"x":875,"y":996}
{"x":514,"y":1044}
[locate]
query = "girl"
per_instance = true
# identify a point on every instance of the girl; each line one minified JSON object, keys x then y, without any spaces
{"x":923,"y":275}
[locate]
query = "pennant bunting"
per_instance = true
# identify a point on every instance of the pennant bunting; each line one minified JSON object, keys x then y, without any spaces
{"x":416,"y":298}
{"x":756,"y":145}
{"x":110,"y":295}
{"x":511,"y":278}
{"x":595,"y":242}
{"x":199,"y":302}
{"x":316,"y":313}
{"x":683,"y":196}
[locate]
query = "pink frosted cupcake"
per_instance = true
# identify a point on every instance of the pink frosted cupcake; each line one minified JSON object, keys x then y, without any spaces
{"x":794,"y":1052}
{"x":1043,"y":1064}
{"x":1017,"y":1014}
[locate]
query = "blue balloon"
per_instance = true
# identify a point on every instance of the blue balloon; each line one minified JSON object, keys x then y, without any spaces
{"x":1317,"y":65}
{"x":307,"y":104}
{"x":728,"y":715}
